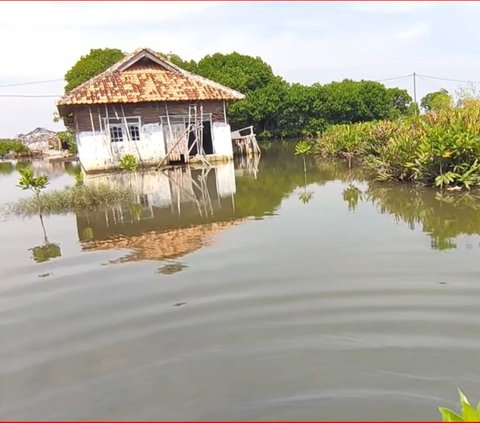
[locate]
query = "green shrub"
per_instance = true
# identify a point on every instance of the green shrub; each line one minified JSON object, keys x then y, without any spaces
{"x":441,"y":149}
{"x":468,"y":413}
{"x":128,"y":162}
{"x":68,"y":137}
{"x":12,"y":146}
{"x":303,"y":147}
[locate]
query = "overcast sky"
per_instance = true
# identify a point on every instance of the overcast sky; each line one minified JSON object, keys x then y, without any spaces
{"x":303,"y":42}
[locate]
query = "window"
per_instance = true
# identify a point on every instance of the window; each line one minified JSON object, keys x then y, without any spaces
{"x":124,"y":129}
{"x":116,"y":133}
{"x":134,"y":132}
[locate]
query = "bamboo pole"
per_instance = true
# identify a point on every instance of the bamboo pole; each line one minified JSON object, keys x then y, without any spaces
{"x":91,"y":119}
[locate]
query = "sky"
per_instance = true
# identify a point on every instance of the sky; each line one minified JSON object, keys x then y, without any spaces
{"x":304,"y":42}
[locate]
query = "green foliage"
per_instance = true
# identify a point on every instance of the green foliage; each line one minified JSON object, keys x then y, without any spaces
{"x":284,"y":110}
{"x":128,"y":162}
{"x":190,"y":66}
{"x":274,"y":107}
{"x":238,"y":71}
{"x":436,"y":101}
{"x":8,"y":146}
{"x":79,"y":197}
{"x":440,"y":149}
{"x":303,"y":147}
{"x":68,"y":138}
{"x":28,"y":181}
{"x":90,"y":65}
{"x":468,"y":413}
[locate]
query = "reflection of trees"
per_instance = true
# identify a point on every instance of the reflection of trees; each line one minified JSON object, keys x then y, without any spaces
{"x":442,"y":216}
{"x":48,"y":250}
{"x":352,"y":195}
{"x":171,"y":268}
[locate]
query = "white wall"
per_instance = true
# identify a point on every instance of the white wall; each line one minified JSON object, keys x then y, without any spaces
{"x":222,"y":139}
{"x":225,"y":173}
{"x":154,"y":184}
{"x":96,"y":152}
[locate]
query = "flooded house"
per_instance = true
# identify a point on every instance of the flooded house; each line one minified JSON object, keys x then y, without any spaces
{"x":41,"y":141}
{"x":174,"y":212}
{"x":146,"y":106}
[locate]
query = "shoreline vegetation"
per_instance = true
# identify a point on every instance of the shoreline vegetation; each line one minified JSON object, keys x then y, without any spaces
{"x":11,"y":148}
{"x":440,"y":148}
{"x":70,"y":199}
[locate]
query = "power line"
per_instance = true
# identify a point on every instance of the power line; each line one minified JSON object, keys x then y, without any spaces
{"x":30,"y":96}
{"x":395,"y":77}
{"x":448,"y":79}
{"x":411,"y":75}
{"x":19,"y":84}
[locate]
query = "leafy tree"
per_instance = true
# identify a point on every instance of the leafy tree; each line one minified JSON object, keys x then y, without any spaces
{"x":190,"y":66}
{"x":261,"y":107}
{"x":400,"y":101}
{"x":437,"y":100}
{"x":90,"y":65}
{"x":274,"y":107}
{"x":238,"y":71}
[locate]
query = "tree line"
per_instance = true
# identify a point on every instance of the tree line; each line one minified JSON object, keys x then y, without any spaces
{"x":275,"y":107}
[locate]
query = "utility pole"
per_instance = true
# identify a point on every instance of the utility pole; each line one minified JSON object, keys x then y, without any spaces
{"x":415,"y":89}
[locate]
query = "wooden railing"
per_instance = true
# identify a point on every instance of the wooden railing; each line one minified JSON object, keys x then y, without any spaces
{"x":245,"y":142}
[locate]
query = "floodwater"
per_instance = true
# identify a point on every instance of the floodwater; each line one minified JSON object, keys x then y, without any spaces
{"x":246,"y":292}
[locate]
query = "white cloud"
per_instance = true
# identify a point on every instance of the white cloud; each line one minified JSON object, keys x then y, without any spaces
{"x":52,"y":36}
{"x":305,"y":43}
{"x":413,"y":33}
{"x":391,"y":7}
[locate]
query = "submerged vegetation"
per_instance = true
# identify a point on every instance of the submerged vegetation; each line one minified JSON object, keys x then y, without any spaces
{"x":440,"y":148}
{"x":69,"y":199}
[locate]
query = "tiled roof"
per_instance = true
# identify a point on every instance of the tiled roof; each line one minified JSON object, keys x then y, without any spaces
{"x":145,"y":76}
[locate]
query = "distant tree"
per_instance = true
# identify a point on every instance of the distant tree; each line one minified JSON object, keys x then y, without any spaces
{"x":90,"y":65}
{"x":400,"y":101}
{"x":240,"y":72}
{"x":436,"y":101}
{"x":190,"y":66}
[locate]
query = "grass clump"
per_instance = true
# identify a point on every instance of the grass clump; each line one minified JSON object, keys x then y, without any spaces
{"x":79,"y":197}
{"x":8,"y":146}
{"x":439,"y":149}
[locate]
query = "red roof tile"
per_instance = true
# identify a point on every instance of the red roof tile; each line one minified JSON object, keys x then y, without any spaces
{"x":133,"y":80}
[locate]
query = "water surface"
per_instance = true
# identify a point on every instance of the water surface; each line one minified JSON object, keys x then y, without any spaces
{"x":246,"y":292}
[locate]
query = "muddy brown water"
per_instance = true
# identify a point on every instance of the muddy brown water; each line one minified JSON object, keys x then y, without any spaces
{"x":246,"y":292}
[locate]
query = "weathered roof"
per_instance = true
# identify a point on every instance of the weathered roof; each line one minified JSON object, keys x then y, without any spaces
{"x":146,"y":76}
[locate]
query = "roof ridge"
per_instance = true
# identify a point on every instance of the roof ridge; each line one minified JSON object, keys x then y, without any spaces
{"x":124,"y":64}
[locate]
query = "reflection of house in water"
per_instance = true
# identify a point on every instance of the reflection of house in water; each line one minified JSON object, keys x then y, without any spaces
{"x":247,"y":165}
{"x":175,"y":211}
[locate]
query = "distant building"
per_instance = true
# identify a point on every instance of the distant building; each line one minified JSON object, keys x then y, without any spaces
{"x":146,"y":106}
{"x":41,"y":140}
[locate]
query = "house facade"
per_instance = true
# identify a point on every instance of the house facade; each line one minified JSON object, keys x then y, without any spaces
{"x":146,"y":106}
